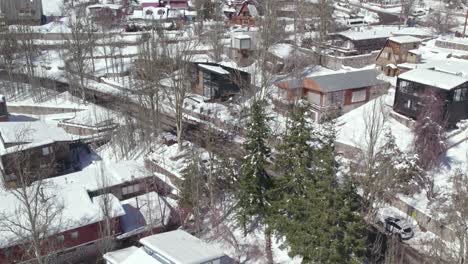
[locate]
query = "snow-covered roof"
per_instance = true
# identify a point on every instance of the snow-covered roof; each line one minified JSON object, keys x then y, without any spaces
{"x":371,"y":32}
{"x":281,"y":50}
{"x":405,"y":39}
{"x":463,"y":41}
{"x":434,"y":78}
{"x":213,"y":68}
{"x":144,"y":212}
{"x":130,"y":255}
{"x":415,"y":31}
{"x":351,"y":126}
{"x":116,"y":257}
{"x":116,"y":173}
{"x":181,"y":248}
{"x":242,"y":37}
{"x":99,"y":6}
{"x":347,"y":80}
{"x":30,"y":134}
{"x":78,"y":210}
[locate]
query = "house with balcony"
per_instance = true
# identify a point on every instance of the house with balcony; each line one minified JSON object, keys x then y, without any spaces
{"x":330,"y":93}
{"x":450,"y":88}
{"x":397,"y":50}
{"x":174,"y":247}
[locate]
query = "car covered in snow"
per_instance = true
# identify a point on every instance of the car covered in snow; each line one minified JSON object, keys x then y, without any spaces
{"x":418,"y":12}
{"x":400,"y":227}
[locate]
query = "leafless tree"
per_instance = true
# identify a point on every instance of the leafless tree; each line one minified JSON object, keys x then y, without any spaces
{"x":407,"y":7}
{"x":9,"y":51}
{"x":151,"y":69}
{"x":456,"y":209}
{"x":179,"y":86}
{"x":25,"y":39}
{"x":374,"y":124}
{"x":442,"y":20}
{"x":79,"y":45}
{"x":215,"y":36}
{"x":430,"y":137}
{"x":105,"y":202}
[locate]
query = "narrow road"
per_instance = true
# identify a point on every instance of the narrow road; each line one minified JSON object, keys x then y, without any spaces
{"x":201,"y":134}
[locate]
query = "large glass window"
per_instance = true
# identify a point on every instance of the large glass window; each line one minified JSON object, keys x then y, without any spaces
{"x":358,"y":96}
{"x":130,"y":189}
{"x":460,"y":94}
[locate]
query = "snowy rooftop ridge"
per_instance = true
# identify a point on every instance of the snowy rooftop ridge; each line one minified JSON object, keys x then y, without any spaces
{"x":436,"y":78}
{"x":181,"y":248}
{"x":405,"y":39}
{"x":372,"y":32}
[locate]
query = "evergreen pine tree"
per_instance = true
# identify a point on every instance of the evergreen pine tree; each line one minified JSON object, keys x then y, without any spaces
{"x":335,"y":220}
{"x":294,"y":166}
{"x":254,"y":182}
{"x":317,"y":216}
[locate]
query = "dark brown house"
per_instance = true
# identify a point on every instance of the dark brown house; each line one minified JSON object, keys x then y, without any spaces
{"x":33,"y":150}
{"x":450,"y":88}
{"x":216,"y":81}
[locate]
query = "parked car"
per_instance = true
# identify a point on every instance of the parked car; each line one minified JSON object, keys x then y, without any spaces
{"x":418,"y":12}
{"x":401,"y":227}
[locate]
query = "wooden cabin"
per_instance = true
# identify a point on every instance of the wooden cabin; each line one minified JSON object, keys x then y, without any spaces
{"x":398,"y":50}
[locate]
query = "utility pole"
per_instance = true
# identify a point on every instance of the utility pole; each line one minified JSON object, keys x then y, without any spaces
{"x":466,"y":20}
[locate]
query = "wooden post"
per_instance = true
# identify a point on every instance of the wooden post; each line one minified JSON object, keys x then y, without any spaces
{"x":466,"y":20}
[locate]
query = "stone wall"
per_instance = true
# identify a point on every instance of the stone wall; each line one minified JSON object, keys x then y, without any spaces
{"x":447,"y":44}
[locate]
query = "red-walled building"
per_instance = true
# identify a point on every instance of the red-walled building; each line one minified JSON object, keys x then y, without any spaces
{"x":78,"y":224}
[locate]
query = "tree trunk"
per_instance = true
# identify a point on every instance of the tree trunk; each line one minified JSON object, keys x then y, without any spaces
{"x":268,"y":247}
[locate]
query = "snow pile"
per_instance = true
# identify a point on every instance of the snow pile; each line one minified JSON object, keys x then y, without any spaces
{"x":52,"y":7}
{"x":351,"y":128}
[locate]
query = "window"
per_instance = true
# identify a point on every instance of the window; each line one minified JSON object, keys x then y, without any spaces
{"x":460,"y":95}
{"x":389,"y":56}
{"x":335,"y":98}
{"x":358,"y":96}
{"x":74,"y":235}
{"x":47,"y":150}
{"x":60,"y":238}
{"x":314,"y":98}
{"x":410,"y":105}
{"x":130,"y":189}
